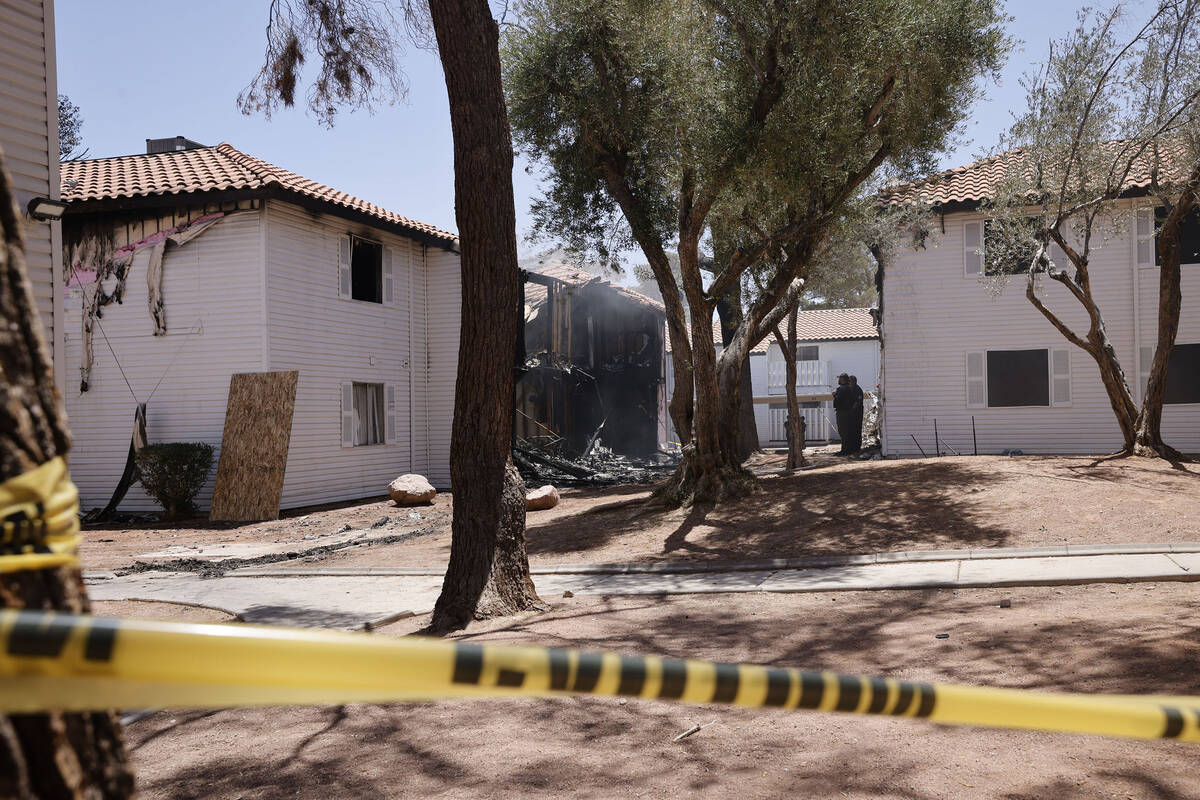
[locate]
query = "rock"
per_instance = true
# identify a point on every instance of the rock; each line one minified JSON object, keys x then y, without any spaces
{"x":409,"y":490}
{"x":568,"y":593}
{"x":379,"y":523}
{"x":541,"y":498}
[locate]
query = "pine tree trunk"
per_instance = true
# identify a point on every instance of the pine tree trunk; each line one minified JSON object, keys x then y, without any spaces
{"x":42,"y":755}
{"x":488,"y":573}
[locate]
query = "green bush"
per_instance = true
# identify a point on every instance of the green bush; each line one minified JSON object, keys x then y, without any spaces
{"x":174,"y":472}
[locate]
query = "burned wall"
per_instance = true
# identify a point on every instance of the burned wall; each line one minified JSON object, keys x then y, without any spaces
{"x":595,"y":366}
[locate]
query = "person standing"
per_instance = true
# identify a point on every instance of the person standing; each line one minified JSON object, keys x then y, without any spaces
{"x":843,"y":409}
{"x":857,"y":422}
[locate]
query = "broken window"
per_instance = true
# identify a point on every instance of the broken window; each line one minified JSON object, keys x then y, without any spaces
{"x":366,"y":270}
{"x":1183,"y":374}
{"x":1018,"y":378}
{"x":368,"y":413}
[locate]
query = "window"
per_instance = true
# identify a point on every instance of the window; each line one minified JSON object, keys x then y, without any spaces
{"x":368,"y":414}
{"x":979,"y":237}
{"x":1189,"y":237}
{"x":365,"y":271}
{"x":807,"y":352}
{"x":1018,"y":378}
{"x":1183,"y":374}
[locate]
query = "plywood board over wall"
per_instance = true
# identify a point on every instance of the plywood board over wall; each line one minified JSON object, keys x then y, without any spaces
{"x":254,"y":446}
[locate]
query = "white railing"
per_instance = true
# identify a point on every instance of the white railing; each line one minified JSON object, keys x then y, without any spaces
{"x":808,"y":373}
{"x":816,"y":423}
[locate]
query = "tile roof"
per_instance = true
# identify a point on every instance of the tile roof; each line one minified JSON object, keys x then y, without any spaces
{"x":820,"y":325}
{"x":535,"y":294}
{"x":978,"y":180}
{"x":209,"y":169}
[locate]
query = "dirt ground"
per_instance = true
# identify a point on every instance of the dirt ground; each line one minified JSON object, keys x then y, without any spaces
{"x":1128,"y":638}
{"x":839,"y":507}
{"x":1135,"y":638}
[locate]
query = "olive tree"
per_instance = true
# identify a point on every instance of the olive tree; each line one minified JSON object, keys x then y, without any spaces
{"x":663,"y":110}
{"x":1109,"y":116}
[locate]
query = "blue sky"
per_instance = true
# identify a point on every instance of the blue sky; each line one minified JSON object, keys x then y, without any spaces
{"x":143,"y":69}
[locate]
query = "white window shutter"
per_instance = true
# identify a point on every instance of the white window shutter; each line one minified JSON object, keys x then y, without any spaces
{"x":1060,"y":377}
{"x":389,"y":398}
{"x":349,"y":437}
{"x":344,"y":256}
{"x":1145,"y":237}
{"x":976,"y":381}
{"x":973,"y":248}
{"x":389,"y":291}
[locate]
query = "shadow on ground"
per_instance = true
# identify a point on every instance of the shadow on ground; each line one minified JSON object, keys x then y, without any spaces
{"x":1088,"y":640}
{"x":894,"y":507}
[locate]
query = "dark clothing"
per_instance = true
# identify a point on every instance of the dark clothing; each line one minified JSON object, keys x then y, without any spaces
{"x":855,"y":443}
{"x":843,"y":406}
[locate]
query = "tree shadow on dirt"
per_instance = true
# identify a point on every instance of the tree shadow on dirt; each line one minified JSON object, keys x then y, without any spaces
{"x":596,"y":747}
{"x":909,"y":505}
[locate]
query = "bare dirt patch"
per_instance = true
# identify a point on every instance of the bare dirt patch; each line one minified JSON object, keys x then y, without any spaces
{"x":839,"y":507}
{"x":845,"y":507}
{"x":1142,"y":638}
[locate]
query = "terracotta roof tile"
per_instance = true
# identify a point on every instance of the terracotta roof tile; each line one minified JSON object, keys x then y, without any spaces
{"x":978,"y":180}
{"x":207,"y":169}
{"x":826,"y":324}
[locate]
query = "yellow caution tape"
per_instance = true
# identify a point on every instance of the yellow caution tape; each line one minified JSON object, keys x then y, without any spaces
{"x":39,"y":519}
{"x":54,"y":661}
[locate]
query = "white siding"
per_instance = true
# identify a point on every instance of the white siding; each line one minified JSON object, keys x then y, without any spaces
{"x":28,"y":134}
{"x":444,"y":309}
{"x":332,"y":341}
{"x":210,"y":285}
{"x":934,"y":314}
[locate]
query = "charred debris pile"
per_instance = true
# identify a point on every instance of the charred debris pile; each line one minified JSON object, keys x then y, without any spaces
{"x":590,"y":405}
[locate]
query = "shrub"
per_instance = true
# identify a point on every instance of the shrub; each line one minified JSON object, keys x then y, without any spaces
{"x":174,"y":472}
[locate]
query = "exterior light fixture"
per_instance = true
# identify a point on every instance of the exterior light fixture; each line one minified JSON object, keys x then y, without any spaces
{"x":45,"y":209}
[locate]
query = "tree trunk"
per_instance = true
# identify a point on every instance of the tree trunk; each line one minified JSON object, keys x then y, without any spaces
{"x":488,"y":573}
{"x":706,"y":473}
{"x":739,"y":430}
{"x":795,"y":427}
{"x":1148,"y":427}
{"x":42,"y":755}
{"x":1112,"y":375}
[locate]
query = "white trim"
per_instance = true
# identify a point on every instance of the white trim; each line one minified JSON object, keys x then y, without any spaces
{"x":58,"y":348}
{"x":264,"y":287}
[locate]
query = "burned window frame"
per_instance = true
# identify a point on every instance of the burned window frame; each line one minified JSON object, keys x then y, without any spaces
{"x":362,"y":273}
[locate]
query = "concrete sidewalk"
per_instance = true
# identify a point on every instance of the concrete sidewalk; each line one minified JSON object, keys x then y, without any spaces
{"x":352,"y":598}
